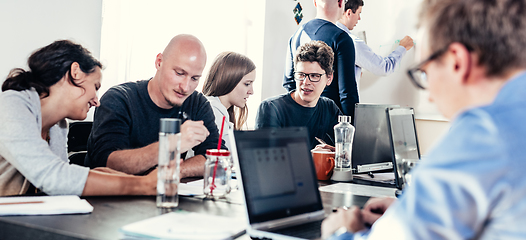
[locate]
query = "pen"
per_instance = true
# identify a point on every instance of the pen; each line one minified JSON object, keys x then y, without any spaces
{"x":183,"y":116}
{"x":329,"y":137}
{"x":13,"y":203}
{"x":321,"y":141}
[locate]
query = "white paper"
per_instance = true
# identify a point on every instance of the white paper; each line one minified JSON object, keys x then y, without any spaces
{"x":44,"y":205}
{"x":185,"y":225}
{"x":191,"y":189}
{"x":361,"y":190}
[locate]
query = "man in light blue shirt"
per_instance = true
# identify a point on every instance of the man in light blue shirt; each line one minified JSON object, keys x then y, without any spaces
{"x":472,"y":185}
{"x":365,"y":57}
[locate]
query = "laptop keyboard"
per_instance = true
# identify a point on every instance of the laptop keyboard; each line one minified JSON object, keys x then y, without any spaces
{"x":310,"y":230}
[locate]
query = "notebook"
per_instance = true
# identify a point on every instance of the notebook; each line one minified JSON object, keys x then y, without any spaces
{"x":184,"y":225}
{"x":278,"y":181}
{"x":403,"y":138}
{"x":44,"y":205}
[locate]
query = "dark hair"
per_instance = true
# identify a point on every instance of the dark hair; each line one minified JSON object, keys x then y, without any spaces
{"x":316,"y":51}
{"x":493,"y":29}
{"x":353,"y":5}
{"x":226,"y":72}
{"x":48,"y":65}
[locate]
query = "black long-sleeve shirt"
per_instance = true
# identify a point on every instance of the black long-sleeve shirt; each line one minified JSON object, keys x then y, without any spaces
{"x":282,"y":111}
{"x":343,"y":90}
{"x":127,"y":118}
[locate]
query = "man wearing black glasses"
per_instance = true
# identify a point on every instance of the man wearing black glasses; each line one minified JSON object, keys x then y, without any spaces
{"x":343,"y":89}
{"x":304,"y":107}
{"x":472,"y":184}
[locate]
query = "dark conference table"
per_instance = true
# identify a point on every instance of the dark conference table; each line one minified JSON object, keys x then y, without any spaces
{"x":112,"y":213}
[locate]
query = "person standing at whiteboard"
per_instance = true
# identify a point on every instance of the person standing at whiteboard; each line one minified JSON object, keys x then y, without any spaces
{"x":365,"y":57}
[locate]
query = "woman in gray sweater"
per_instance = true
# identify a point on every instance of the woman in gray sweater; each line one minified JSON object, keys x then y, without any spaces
{"x":62,"y":83}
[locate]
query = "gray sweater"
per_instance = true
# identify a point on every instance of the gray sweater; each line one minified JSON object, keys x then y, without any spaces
{"x":25,"y":156}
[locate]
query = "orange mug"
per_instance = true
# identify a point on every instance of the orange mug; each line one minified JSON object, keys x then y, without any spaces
{"x":324,"y":164}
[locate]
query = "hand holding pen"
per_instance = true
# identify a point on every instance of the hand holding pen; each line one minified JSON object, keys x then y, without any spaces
{"x":323,"y":146}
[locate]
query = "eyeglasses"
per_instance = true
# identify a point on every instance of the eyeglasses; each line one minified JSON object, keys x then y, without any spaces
{"x":313,"y":77}
{"x":418,"y":76}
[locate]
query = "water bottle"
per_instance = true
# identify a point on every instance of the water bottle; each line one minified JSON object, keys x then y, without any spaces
{"x":343,"y":134}
{"x":169,"y":155}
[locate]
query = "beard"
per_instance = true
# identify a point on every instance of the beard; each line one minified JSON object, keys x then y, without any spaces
{"x":172,"y":103}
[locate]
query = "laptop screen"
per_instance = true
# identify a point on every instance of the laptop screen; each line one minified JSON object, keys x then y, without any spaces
{"x":404,"y":143}
{"x":278,"y":173}
{"x":371,"y":147}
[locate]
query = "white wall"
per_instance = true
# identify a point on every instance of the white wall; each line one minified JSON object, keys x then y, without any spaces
{"x":279,"y":27}
{"x":398,"y":18}
{"x":429,"y":132}
{"x":135,"y":31}
{"x":27,"y":25}
{"x":385,"y":22}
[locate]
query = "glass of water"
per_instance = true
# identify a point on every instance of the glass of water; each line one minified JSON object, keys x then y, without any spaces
{"x":169,"y":154}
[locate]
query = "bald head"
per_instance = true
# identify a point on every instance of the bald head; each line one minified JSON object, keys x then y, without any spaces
{"x":179,"y":69}
{"x":185,"y":44}
{"x":330,"y":10}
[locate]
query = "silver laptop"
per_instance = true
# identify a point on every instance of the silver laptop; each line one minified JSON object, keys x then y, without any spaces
{"x":403,"y":138}
{"x":279,"y":184}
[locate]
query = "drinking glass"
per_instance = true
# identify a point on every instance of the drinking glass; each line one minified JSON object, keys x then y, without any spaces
{"x":169,"y":155}
{"x":218,"y":171}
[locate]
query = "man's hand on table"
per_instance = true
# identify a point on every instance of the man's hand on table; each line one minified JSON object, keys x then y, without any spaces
{"x":350,"y":219}
{"x":375,"y":208}
{"x":354,"y":219}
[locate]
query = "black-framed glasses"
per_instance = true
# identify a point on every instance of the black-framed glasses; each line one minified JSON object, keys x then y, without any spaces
{"x":418,"y":76}
{"x":313,"y":77}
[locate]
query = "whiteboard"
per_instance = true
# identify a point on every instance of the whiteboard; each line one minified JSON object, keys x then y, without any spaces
{"x":385,"y":22}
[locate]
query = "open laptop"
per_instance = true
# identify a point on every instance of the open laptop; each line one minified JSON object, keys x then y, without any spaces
{"x":371,"y":150}
{"x":279,"y":184}
{"x":403,"y":138}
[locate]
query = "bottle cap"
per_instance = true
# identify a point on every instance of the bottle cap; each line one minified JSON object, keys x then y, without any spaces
{"x":218,"y":152}
{"x":343,"y":118}
{"x":170,"y":125}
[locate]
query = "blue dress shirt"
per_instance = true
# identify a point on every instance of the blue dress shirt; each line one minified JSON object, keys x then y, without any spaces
{"x":472,"y":185}
{"x":366,"y":58}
